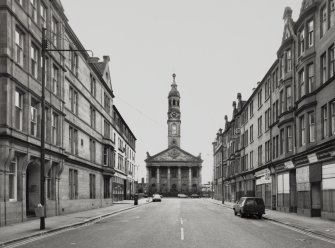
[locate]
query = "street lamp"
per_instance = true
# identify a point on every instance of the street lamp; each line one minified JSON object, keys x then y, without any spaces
{"x":42,"y":168}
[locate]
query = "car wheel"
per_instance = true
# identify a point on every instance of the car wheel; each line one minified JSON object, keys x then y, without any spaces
{"x":241,"y":214}
{"x":235,"y":212}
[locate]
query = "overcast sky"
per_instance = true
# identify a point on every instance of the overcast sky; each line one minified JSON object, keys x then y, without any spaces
{"x":217,"y":48}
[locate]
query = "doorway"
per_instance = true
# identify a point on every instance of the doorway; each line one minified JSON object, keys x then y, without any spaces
{"x":316,"y":199}
{"x":32,"y":188}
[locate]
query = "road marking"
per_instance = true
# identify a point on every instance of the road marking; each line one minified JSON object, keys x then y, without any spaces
{"x":181,"y":221}
{"x":182,"y":233}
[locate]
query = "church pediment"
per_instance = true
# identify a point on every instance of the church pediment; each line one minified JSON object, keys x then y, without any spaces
{"x":174,"y":154}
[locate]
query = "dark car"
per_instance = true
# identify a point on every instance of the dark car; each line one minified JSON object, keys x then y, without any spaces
{"x":248,"y":206}
{"x":195,"y":196}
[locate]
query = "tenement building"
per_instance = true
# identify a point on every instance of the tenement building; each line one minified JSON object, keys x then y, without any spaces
{"x":280,"y":142}
{"x":90,"y":150}
{"x":173,"y":170}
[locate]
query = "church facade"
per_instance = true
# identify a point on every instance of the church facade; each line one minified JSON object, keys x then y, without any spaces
{"x":173,"y":170}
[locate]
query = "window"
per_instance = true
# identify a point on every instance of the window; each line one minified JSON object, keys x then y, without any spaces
{"x":55,"y":80}
{"x":260,"y":155}
{"x":20,"y":2}
{"x":267,"y":119}
{"x":251,"y":133}
{"x":324,"y":116}
{"x":74,"y":62}
{"x":93,"y":86}
{"x":332,"y":12}
{"x":43,"y":13}
{"x":106,"y":187}
{"x":107,"y":102}
{"x":92,"y":150}
{"x":282,"y":101}
{"x":19,"y":36}
{"x":275,"y":146}
{"x":251,"y":108}
{"x":323,"y":21}
{"x":267,"y":151}
{"x":106,"y":129}
{"x":73,"y":184}
{"x":301,"y":78}
{"x":282,"y":139}
{"x":302,"y":130}
{"x":282,"y":67}
{"x":331,"y":61}
{"x":288,"y":61}
{"x":310,"y":26}
{"x":33,"y":117}
{"x":260,"y":98}
{"x":174,"y":129}
{"x":73,"y":140}
{"x":18,"y":110}
{"x":323,"y":68}
{"x":54,"y":128}
{"x":73,"y":100}
{"x":33,"y":12}
{"x":289,"y":139}
{"x":311,"y":125}
{"x":105,"y":156}
{"x":92,"y":186}
{"x":267,"y":89}
{"x":54,"y":31}
{"x":288,"y":98}
{"x":311,"y":84}
{"x":12,"y":180}
{"x":332,"y":117}
{"x":34,"y":60}
{"x":302,"y":42}
{"x":260,"y":129}
{"x":93,"y":116}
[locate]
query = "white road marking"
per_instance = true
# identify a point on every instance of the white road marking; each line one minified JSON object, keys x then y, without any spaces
{"x":181,"y":221}
{"x":182,"y":233}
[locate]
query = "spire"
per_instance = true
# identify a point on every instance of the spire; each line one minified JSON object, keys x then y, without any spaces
{"x":174,"y":92}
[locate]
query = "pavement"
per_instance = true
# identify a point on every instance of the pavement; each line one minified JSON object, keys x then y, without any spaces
{"x":180,"y":223}
{"x":314,"y":225}
{"x":21,"y":232}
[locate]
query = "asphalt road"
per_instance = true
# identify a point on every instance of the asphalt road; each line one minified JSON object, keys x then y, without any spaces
{"x":180,"y":223}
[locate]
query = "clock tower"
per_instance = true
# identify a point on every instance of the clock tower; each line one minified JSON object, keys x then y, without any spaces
{"x":174,"y":115}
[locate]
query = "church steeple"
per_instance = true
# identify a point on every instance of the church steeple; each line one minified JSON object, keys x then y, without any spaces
{"x":174,"y":115}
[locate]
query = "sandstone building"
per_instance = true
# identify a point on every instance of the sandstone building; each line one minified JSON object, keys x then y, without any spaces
{"x":90,"y":150}
{"x":280,"y":142}
{"x":173,"y":170}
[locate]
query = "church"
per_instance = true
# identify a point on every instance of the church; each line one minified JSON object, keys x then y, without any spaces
{"x":173,"y":170}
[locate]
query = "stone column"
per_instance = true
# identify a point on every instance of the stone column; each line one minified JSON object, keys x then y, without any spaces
{"x":147,"y":188}
{"x":189,"y":179}
{"x":158,"y":181}
{"x":168,"y":180}
{"x":179,"y":179}
{"x":199,"y":179}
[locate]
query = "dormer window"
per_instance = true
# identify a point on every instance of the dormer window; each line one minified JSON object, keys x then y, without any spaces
{"x":288,"y":61}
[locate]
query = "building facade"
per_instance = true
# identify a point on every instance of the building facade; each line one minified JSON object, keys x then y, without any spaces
{"x":280,"y":143}
{"x":82,"y":124}
{"x":173,"y":170}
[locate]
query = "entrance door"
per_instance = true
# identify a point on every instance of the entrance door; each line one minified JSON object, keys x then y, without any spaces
{"x":316,"y":199}
{"x":124,"y":189}
{"x":32,"y":188}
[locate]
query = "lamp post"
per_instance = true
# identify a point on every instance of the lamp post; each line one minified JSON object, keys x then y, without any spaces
{"x":42,"y":161}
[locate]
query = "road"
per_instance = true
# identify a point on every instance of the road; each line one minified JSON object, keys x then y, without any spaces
{"x":193,"y":223}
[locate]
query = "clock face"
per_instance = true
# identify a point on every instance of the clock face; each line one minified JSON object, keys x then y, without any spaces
{"x":174,"y":115}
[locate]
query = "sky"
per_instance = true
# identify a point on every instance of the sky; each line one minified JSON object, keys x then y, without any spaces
{"x":217,"y":48}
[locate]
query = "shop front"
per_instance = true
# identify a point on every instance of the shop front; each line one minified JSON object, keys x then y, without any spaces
{"x":286,"y":188}
{"x":328,"y":190}
{"x":263,"y":186}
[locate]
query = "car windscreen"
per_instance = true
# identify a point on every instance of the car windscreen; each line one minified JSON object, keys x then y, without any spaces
{"x":259,"y":201}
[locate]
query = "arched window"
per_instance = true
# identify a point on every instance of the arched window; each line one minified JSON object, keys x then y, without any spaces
{"x":170,"y":102}
{"x":174,"y":102}
{"x":174,"y":129}
{"x":177,"y":103}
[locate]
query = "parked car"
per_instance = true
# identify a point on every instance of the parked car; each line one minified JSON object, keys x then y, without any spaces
{"x":195,"y":196}
{"x":156,"y":198}
{"x":249,"y":206}
{"x":182,"y":196}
